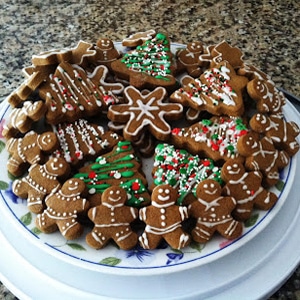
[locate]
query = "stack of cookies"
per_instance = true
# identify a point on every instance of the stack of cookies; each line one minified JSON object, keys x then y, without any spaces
{"x":85,"y":118}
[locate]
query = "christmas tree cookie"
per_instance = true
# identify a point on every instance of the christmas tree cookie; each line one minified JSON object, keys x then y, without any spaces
{"x":118,"y":167}
{"x":219,"y":90}
{"x":182,"y":170}
{"x":148,"y":65}
{"x":215,"y":138}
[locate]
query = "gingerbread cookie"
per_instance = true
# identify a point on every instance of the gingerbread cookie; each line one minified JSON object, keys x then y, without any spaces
{"x":213,"y":213}
{"x":41,"y":181}
{"x":82,"y":54}
{"x":149,"y":65}
{"x":143,"y":113}
{"x":268,"y":98}
{"x":183,"y":171}
{"x":31,"y":83}
{"x":215,"y":138}
{"x":219,"y":90}
{"x":163,"y":220}
{"x":222,"y":52}
{"x":261,"y":155}
{"x":112,"y":220}
{"x":30,"y":149}
{"x":82,"y":140}
{"x":118,"y":167}
{"x":70,"y":93}
{"x":63,"y":208}
{"x":21,"y":119}
{"x":246,"y":189}
{"x":282,"y":133}
{"x":138,"y":38}
{"x":106,"y":52}
{"x":188,"y":59}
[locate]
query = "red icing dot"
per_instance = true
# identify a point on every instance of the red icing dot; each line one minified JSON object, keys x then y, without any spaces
{"x":92,"y":175}
{"x":135,"y":186}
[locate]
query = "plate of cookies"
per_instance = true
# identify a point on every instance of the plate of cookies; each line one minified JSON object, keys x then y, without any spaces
{"x":144,"y":157}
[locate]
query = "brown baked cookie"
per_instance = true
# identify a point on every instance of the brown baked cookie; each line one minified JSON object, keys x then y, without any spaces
{"x":188,"y":59}
{"x":70,"y":93}
{"x":31,"y":83}
{"x":213,"y":213}
{"x":63,"y":208}
{"x":29,"y":150}
{"x":41,"y":181}
{"x":21,"y":119}
{"x":112,"y":220}
{"x":163,"y":220}
{"x":267,"y":97}
{"x":246,"y":189}
{"x":106,"y":52}
{"x":119,"y":167}
{"x":138,"y":38}
{"x":145,"y":113}
{"x":149,"y":65}
{"x":82,"y":54}
{"x":182,"y":170}
{"x":81,"y":141}
{"x":282,"y":133}
{"x":219,"y":90}
{"x":215,"y":138}
{"x":215,"y":54}
{"x":261,"y":155}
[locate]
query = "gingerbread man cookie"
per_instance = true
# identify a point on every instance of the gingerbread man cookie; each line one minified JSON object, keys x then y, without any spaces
{"x":63,"y":208}
{"x":31,"y":149}
{"x":261,"y":155}
{"x":164,"y":219}
{"x":188,"y":59}
{"x":112,"y":220}
{"x":282,"y":133}
{"x":41,"y":181}
{"x":213,"y":213}
{"x":246,"y":189}
{"x":267,"y":97}
{"x":106,"y":52}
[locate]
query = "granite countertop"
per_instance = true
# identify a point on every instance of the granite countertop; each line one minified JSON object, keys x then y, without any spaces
{"x":266,"y":31}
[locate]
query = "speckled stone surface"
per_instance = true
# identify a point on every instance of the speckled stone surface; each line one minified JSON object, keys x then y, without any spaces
{"x":266,"y":31}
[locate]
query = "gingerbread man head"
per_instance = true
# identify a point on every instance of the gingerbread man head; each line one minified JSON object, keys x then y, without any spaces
{"x":114,"y":196}
{"x":164,"y":195}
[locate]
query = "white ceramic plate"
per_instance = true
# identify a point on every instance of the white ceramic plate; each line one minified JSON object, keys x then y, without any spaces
{"x":113,"y":260}
{"x":254,"y":271}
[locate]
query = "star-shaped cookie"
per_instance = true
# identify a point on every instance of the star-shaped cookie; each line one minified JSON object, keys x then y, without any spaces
{"x":145,"y":113}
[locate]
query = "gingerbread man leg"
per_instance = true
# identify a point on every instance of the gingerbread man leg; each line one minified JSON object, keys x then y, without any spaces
{"x":125,"y":238}
{"x":177,"y":239}
{"x":149,"y":240}
{"x":69,"y":228}
{"x":265,"y":200}
{"x":98,"y":238}
{"x":45,"y":222}
{"x":202,"y":233}
{"x":230,"y":229}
